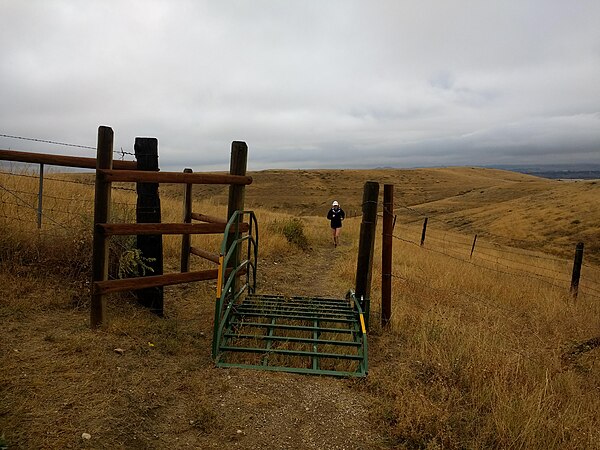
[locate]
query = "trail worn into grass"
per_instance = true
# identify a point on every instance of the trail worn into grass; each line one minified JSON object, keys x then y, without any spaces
{"x":59,"y":379}
{"x":295,"y":411}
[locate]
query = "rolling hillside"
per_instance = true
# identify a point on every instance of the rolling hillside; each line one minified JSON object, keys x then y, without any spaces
{"x":507,"y":207}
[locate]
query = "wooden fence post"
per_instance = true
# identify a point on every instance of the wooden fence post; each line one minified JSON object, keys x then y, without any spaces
{"x":104,"y":154}
{"x":40,"y":197}
{"x":473,"y":247}
{"x":366,"y":246}
{"x":578,"y":261}
{"x":386,"y":254}
{"x":187,"y":218}
{"x":148,"y":211}
{"x":424,"y":231}
{"x":238,"y":166}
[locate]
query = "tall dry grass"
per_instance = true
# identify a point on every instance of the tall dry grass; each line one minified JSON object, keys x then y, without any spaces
{"x":481,"y":353}
{"x":63,"y":242}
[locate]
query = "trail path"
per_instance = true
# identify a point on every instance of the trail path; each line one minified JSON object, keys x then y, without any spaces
{"x":286,"y":411}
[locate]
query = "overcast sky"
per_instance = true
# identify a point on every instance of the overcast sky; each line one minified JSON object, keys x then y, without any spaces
{"x":307,"y":83}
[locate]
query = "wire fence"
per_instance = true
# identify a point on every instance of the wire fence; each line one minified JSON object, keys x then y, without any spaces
{"x":19,"y":204}
{"x":494,"y":257}
{"x":63,"y":144}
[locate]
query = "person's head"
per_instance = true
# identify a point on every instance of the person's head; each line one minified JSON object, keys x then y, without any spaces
{"x":335,"y":205}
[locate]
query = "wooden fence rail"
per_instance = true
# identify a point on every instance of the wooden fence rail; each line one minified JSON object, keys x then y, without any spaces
{"x":103,"y":229}
{"x":56,"y":160}
{"x":61,"y":160}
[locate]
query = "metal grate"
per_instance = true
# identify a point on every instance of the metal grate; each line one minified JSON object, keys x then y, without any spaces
{"x":308,"y":335}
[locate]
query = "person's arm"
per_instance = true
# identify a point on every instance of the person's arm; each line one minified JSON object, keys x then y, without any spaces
{"x":329,"y":215}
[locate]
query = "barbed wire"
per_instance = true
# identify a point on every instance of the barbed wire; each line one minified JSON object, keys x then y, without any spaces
{"x":452,"y":225}
{"x":491,"y":246}
{"x":123,"y":152}
{"x":478,"y":254}
{"x":455,"y":292}
{"x":59,"y":180}
{"x":584,"y":286}
{"x":30,"y":206}
{"x":46,"y":141}
{"x":534,"y":276}
{"x":66,"y":144}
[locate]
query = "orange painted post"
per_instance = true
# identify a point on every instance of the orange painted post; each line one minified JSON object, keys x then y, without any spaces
{"x":101,"y":215}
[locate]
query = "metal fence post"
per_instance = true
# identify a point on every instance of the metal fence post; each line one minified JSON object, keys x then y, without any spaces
{"x":40,"y":197}
{"x":578,"y":261}
{"x":473,"y":247}
{"x":423,"y":232}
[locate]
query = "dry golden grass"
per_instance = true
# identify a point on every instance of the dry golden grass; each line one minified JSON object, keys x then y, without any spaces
{"x":481,"y":352}
{"x":478,"y":353}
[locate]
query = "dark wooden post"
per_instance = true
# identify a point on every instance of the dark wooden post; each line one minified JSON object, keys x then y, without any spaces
{"x":386,"y":254}
{"x":424,"y":231}
{"x":148,"y":211}
{"x":366,"y":246}
{"x":473,"y":247}
{"x":238,"y":166}
{"x":104,"y":154}
{"x":577,"y":269}
{"x":187,"y":218}
{"x":40,"y":197}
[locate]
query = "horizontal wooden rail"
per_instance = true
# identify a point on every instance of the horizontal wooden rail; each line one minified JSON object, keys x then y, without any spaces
{"x":132,"y":284}
{"x":207,"y":218}
{"x":214,"y":257}
{"x":113,"y":229}
{"x":173,"y":177}
{"x":60,"y":160}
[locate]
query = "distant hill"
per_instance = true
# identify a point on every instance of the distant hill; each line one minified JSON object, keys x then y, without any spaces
{"x":509,"y":207}
{"x":559,"y":171}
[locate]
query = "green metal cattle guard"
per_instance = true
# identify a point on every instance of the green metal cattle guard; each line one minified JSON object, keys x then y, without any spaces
{"x":310,"y":335}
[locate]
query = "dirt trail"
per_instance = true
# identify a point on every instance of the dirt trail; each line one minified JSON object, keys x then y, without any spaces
{"x":61,"y":380}
{"x":295,"y":411}
{"x":306,"y":274}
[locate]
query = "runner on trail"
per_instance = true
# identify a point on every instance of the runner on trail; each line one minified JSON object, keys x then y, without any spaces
{"x":336,"y":215}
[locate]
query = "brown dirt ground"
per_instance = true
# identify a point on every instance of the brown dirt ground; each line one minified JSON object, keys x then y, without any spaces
{"x":60,"y":380}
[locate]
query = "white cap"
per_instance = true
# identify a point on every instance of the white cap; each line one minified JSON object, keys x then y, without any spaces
{"x":335,"y":203}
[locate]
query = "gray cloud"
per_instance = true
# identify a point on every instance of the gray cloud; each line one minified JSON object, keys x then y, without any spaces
{"x":307,"y":84}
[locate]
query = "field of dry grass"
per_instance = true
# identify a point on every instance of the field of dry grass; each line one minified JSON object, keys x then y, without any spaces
{"x":482,"y":352}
